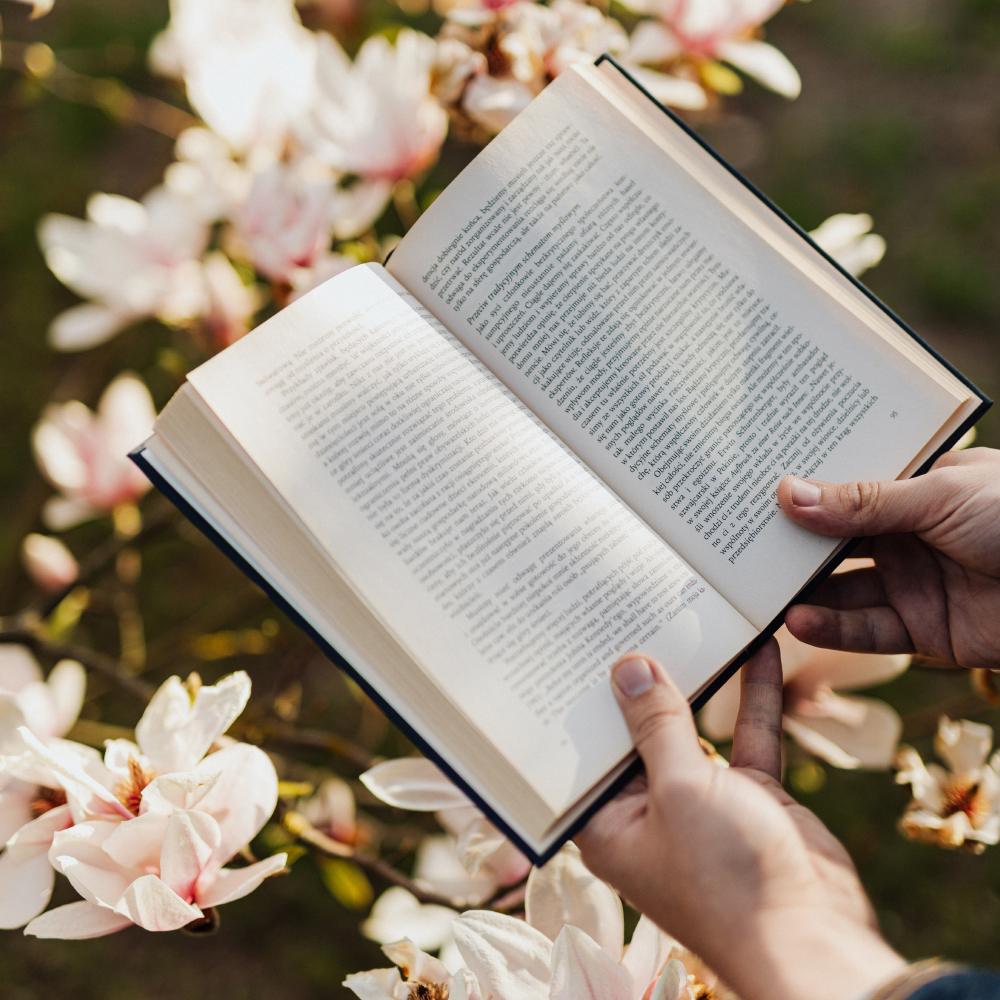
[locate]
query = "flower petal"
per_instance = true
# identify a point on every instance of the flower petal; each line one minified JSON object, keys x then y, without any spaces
{"x":25,"y":888}
{"x":963,"y":745}
{"x":870,"y":739}
{"x":764,"y":63}
{"x":18,"y":668}
{"x":67,"y":684}
{"x":477,"y":843}
{"x":465,"y":986}
{"x":154,"y":906}
{"x":670,"y":985}
{"x":439,"y":868}
{"x":817,"y":744}
{"x":77,"y":853}
{"x":77,"y":922}
{"x":191,"y":838}
{"x":494,"y":103}
{"x":15,"y":806}
{"x":83,"y":327}
{"x":175,"y":733}
{"x":399,"y":914}
{"x":582,"y":970}
{"x":646,"y":955}
{"x":376,"y":984}
{"x":509,"y":957}
{"x":235,"y":883}
{"x":413,"y":783}
{"x":138,"y":842}
{"x":564,"y":893}
{"x":35,"y":838}
{"x":671,"y":90}
{"x":417,"y":965}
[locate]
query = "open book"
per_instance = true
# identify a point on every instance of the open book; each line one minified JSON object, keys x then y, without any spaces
{"x":548,"y":432}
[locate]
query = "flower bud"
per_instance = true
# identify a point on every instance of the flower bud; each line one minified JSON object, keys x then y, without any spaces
{"x":48,"y":562}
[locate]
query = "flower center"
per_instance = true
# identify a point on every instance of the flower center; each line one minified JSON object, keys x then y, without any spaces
{"x":965,"y":798}
{"x":129,"y":790}
{"x":424,"y":992}
{"x":48,"y":798}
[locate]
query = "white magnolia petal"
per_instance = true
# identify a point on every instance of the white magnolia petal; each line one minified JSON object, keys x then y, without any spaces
{"x":117,"y":754}
{"x":78,"y":853}
{"x":477,"y":843}
{"x":67,"y":685}
{"x":564,"y":893}
{"x":138,"y":843}
{"x":242,"y":797}
{"x":865,"y":253}
{"x":15,"y":806}
{"x":93,"y":797}
{"x":417,"y":965}
{"x":494,"y":103}
{"x":235,"y":883}
{"x":18,"y":668}
{"x":399,"y":914}
{"x":671,"y":90}
{"x":652,"y":42}
{"x":191,"y":838}
{"x":154,"y":906}
{"x":583,"y":970}
{"x":25,"y":888}
{"x":355,"y":209}
{"x":438,"y":867}
{"x":48,"y":562}
{"x":871,"y":738}
{"x":820,"y":746}
{"x":646,"y":955}
{"x":11,"y":722}
{"x":670,"y":985}
{"x":175,"y":733}
{"x":60,"y":513}
{"x":963,"y":745}
{"x":77,"y":922}
{"x":764,"y":63}
{"x":35,"y":838}
{"x":85,"y":326}
{"x":509,"y":957}
{"x":465,"y":986}
{"x":376,"y":984}
{"x":413,"y":783}
{"x":841,"y":231}
{"x":178,"y":791}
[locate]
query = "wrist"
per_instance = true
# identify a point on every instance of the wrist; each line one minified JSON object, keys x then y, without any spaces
{"x":809,"y":955}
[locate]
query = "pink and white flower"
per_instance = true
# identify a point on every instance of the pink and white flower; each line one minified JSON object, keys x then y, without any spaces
{"x":845,"y":731}
{"x":426,"y":976}
{"x":134,"y":260}
{"x":376,"y":117}
{"x":248,"y":66}
{"x":48,"y":562}
{"x":848,"y":239}
{"x":206,"y":174}
{"x":705,"y":30}
{"x":32,"y":807}
{"x":85,"y":454}
{"x":152,"y":824}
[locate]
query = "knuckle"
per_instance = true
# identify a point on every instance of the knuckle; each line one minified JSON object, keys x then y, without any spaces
{"x":863,"y":500}
{"x":653,"y":721}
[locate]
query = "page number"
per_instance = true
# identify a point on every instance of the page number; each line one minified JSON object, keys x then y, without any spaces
{"x":894,"y":414}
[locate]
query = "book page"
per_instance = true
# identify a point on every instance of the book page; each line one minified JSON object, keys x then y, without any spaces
{"x":680,"y":355}
{"x":502,"y":564}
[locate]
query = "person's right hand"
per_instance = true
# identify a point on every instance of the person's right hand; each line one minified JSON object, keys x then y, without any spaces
{"x":935,"y":539}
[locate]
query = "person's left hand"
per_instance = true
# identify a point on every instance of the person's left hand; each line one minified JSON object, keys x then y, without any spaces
{"x":724,"y":859}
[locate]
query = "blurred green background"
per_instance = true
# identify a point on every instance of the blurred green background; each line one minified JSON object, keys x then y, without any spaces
{"x":899,"y":117}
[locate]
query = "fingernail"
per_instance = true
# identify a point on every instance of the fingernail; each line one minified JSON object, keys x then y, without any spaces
{"x":805,"y":494}
{"x":633,"y":676}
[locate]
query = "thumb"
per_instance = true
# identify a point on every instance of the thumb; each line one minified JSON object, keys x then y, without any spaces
{"x":847,"y":510}
{"x":658,"y":717}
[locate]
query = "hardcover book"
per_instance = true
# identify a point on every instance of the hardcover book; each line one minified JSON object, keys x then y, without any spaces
{"x":549,"y":431}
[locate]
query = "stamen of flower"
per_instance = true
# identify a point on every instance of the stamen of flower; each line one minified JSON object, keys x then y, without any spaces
{"x":968,"y":799}
{"x":129,"y":790}
{"x":48,"y":798}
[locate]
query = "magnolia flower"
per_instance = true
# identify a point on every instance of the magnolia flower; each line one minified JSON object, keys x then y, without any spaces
{"x":426,"y":976}
{"x":284,"y":224}
{"x":455,"y":64}
{"x":206,"y":174}
{"x":229,"y":305}
{"x":495,"y":103}
{"x":85,"y":454}
{"x":152,"y":824}
{"x":33,"y":808}
{"x":570,"y":946}
{"x":331,"y":810}
{"x":376,"y":118}
{"x":48,"y":562}
{"x":135,"y":260}
{"x":847,"y":732}
{"x":398,"y":914}
{"x":325,"y":267}
{"x":416,"y":783}
{"x":248,"y":65}
{"x":848,"y":239}
{"x":702,"y":31}
{"x":959,"y":807}
{"x":473,"y":13}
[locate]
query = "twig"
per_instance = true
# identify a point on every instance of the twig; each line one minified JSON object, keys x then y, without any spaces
{"x":90,"y":658}
{"x":276,"y":731}
{"x":301,"y":828}
{"x":924,"y":721}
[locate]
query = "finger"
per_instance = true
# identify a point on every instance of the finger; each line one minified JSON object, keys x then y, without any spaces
{"x":862,"y":630}
{"x":658,"y":717}
{"x":847,"y":510}
{"x":757,"y":737}
{"x":860,"y":588}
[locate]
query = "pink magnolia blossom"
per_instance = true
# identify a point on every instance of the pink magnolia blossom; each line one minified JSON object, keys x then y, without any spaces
{"x":284,"y":225}
{"x":376,"y":117}
{"x":32,"y":807}
{"x":426,"y":976}
{"x":845,"y":731}
{"x":229,"y":305}
{"x":134,"y":260}
{"x":85,"y":454}
{"x":48,"y":562}
{"x":713,"y":29}
{"x":207,"y":175}
{"x":248,"y":66}
{"x":148,"y":828}
{"x":473,"y":13}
